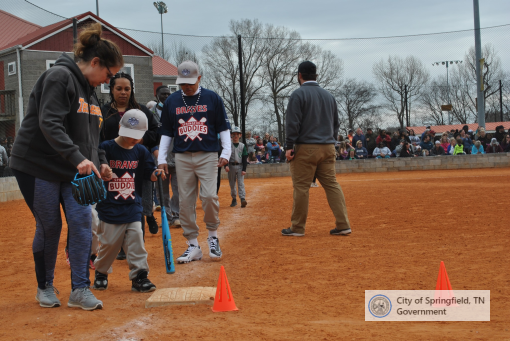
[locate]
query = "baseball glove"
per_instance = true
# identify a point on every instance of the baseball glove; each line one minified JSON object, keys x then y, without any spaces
{"x":88,"y":190}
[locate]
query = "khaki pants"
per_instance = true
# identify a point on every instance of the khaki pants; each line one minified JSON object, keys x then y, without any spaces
{"x":192,"y":168}
{"x":235,"y":174}
{"x":319,"y":160}
{"x":128,"y":236}
{"x":95,"y":226}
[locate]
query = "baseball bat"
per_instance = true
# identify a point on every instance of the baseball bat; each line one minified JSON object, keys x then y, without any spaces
{"x":165,"y":233}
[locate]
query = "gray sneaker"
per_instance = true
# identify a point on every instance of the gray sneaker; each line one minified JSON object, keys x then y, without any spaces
{"x":47,"y":297}
{"x":85,"y":299}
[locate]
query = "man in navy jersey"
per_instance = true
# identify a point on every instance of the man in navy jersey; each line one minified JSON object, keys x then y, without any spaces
{"x":192,"y":118}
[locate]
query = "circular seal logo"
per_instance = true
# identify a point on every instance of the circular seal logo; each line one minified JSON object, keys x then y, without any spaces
{"x":185,"y":72}
{"x":379,"y":306}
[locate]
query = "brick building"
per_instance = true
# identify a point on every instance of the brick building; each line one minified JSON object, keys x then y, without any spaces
{"x":27,"y":50}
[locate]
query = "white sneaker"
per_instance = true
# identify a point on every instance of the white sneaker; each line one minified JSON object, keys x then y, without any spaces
{"x":314,"y":184}
{"x":193,"y":252}
{"x":214,"y":248}
{"x":176,"y":223}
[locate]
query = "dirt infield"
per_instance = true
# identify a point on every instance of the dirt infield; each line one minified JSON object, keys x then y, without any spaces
{"x":287,"y":288}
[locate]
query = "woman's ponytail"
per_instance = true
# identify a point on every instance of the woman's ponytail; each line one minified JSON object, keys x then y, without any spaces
{"x":91,"y":45}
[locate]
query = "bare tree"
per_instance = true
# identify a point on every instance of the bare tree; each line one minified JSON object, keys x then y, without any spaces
{"x":355,"y":100}
{"x":158,"y":51}
{"x":221,"y":64}
{"x":393,"y":75}
{"x":180,"y":53}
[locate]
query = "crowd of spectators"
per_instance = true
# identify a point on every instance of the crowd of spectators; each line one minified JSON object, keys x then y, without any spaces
{"x":359,"y":145}
{"x":405,"y":143}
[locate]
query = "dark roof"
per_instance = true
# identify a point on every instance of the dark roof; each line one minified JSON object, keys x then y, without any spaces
{"x":44,"y":32}
{"x":13,"y":28}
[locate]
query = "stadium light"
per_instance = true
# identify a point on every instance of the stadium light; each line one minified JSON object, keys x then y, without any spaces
{"x":162,"y":9}
{"x":448,"y":62}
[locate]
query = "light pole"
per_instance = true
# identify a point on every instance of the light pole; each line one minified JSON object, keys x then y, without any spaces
{"x":161,"y":7}
{"x":447,"y":62}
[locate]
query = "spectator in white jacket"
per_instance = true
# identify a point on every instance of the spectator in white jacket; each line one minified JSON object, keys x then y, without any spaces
{"x":382,"y":152}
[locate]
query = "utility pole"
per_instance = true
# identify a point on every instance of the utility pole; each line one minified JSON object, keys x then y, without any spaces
{"x":161,"y":7}
{"x":97,"y":7}
{"x":241,"y":80}
{"x":405,"y":101}
{"x":501,"y":100}
{"x":479,"y":65}
{"x":75,"y":35}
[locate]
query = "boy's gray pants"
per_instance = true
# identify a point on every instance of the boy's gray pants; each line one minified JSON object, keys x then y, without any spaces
{"x":235,"y":174}
{"x":128,"y":236}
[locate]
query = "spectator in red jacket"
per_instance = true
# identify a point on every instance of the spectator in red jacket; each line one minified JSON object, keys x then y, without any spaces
{"x":494,"y":147}
{"x":383,"y":137}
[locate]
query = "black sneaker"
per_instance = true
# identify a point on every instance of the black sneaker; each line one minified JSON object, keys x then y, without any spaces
{"x":153,"y":224}
{"x":234,"y":203}
{"x":214,"y":248}
{"x":288,"y":232}
{"x":338,"y":232}
{"x":100,"y":282}
{"x":141,"y":283}
{"x":243,"y":202}
{"x":121,"y":255}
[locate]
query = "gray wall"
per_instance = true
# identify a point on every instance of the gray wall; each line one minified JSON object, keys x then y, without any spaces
{"x":390,"y":165}
{"x":11,"y":83}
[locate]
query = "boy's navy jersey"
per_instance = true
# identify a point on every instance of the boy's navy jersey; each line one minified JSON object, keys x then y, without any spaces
{"x":123,"y":203}
{"x":194,"y":128}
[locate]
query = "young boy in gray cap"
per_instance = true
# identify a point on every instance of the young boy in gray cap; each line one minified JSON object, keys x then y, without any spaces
{"x":236,"y":168}
{"x":120,"y":214}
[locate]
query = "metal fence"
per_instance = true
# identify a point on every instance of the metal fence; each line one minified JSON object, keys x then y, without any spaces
{"x":378,"y":82}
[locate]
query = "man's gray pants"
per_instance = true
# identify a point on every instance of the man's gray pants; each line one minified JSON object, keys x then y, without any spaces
{"x":171,"y":204}
{"x":192,"y":168}
{"x":235,"y":174}
{"x":128,"y":236}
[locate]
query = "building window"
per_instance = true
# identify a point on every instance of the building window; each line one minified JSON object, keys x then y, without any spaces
{"x":11,"y":68}
{"x":50,"y":63}
{"x":172,"y":87}
{"x":129,"y":69}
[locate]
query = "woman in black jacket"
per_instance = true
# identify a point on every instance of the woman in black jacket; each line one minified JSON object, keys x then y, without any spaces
{"x":122,"y":99}
{"x":58,"y":138}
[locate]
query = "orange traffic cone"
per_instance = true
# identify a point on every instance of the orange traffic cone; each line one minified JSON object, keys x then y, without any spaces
{"x":224,"y":301}
{"x":443,"y":283}
{"x":443,"y":288}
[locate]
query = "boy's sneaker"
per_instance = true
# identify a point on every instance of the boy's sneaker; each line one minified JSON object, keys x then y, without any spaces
{"x":121,"y":255}
{"x":338,"y":232}
{"x":158,"y":208}
{"x":101,"y":281}
{"x":85,"y":299}
{"x":91,"y":265}
{"x":194,"y":252}
{"x":47,"y":297}
{"x":314,"y":184}
{"x":234,"y":203}
{"x":243,"y":202}
{"x":66,"y":251}
{"x":153,"y":224}
{"x":288,"y":232}
{"x":214,"y":248}
{"x":141,"y":283}
{"x":176,"y":223}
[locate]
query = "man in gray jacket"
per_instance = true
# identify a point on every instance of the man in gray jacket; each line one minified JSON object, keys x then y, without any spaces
{"x":312,"y":126}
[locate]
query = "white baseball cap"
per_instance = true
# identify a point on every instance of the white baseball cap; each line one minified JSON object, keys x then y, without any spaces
{"x":133,"y":124}
{"x":236,"y":130}
{"x":187,"y":73}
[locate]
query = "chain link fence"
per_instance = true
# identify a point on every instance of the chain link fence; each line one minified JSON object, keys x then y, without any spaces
{"x":379,"y":82}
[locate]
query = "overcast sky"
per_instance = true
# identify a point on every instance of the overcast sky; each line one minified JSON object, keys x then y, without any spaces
{"x":313,"y":20}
